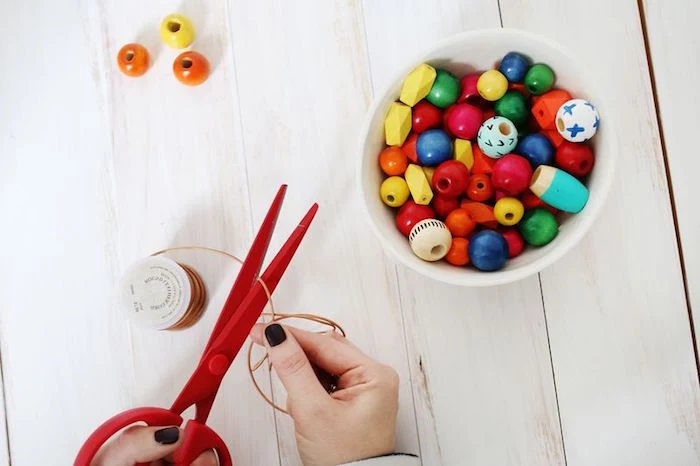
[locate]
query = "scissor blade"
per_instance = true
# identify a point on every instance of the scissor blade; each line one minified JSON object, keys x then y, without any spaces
{"x":250,"y":268}
{"x":204,"y":383}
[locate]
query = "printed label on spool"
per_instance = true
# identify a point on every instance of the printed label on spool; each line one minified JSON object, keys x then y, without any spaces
{"x":155,"y":292}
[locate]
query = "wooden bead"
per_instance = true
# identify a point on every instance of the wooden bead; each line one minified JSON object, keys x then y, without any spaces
{"x":469,"y":92}
{"x":418,"y":185}
{"x":429,"y":172}
{"x":497,"y":137}
{"x":445,"y":90}
{"x":397,"y":124}
{"x":514,"y":65}
{"x":459,"y":252}
{"x":537,"y":149}
{"x":409,"y":147}
{"x":133,"y":60}
{"x":176,"y":31}
{"x":513,"y":107}
{"x":393,"y":161}
{"x":433,"y":147}
{"x":511,"y":174}
{"x":574,"y":158}
{"x":515,"y":241}
{"x":425,"y":116}
{"x":481,"y":213}
{"x":553,"y":136}
{"x":430,"y":240}
{"x":450,"y":178}
{"x":444,"y":205}
{"x":488,"y":251}
{"x":545,"y":108}
{"x":417,"y":84}
{"x":410,"y":214}
{"x":464,"y":120}
{"x":508,"y":211}
{"x":539,"y":227}
{"x":191,"y":68}
{"x":530,"y":202}
{"x":463,"y":152}
{"x":577,"y":120}
{"x":492,"y":85}
{"x":480,"y":188}
{"x":482,"y":163}
{"x":394,"y":191}
{"x":460,"y":223}
{"x":539,"y":79}
{"x":559,"y":189}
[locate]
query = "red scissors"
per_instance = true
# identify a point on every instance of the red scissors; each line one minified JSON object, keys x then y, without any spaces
{"x":243,"y":307}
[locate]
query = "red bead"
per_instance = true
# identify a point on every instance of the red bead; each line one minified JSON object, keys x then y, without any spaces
{"x":480,"y":188}
{"x":450,"y":178}
{"x":425,"y":116}
{"x":468,"y":85}
{"x":409,"y":147}
{"x":411,"y":213}
{"x":575,"y":158}
{"x":464,"y":121}
{"x":191,"y":68}
{"x":489,"y":113}
{"x":511,"y":174}
{"x":515,"y":241}
{"x":482,"y":162}
{"x":444,"y":205}
{"x":531,"y":201}
{"x":500,"y":194}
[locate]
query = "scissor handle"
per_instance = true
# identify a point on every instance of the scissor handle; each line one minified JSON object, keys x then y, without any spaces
{"x":198,"y":439}
{"x":151,"y":416}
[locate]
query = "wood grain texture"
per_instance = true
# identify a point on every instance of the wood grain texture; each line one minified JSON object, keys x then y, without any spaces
{"x":479,"y":358}
{"x":620,"y":339}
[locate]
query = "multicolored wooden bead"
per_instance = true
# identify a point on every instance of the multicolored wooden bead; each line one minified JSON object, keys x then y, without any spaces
{"x":464,"y":120}
{"x":574,"y":158}
{"x":450,"y":178}
{"x":539,"y":227}
{"x":488,"y":251}
{"x":559,"y":189}
{"x":177,"y":31}
{"x":417,"y":84}
{"x":508,"y":211}
{"x":434,"y":146}
{"x":425,"y":116}
{"x":514,"y":107}
{"x":430,"y":240}
{"x":511,"y":174}
{"x":514,"y":65}
{"x":445,"y":90}
{"x":394,"y":191}
{"x":463,"y":152}
{"x":515,"y":241}
{"x":418,"y":185}
{"x":397,"y":124}
{"x":537,"y":149}
{"x":492,"y":85}
{"x":410,"y":214}
{"x":539,"y":79}
{"x":546,"y":106}
{"x":577,"y":120}
{"x":497,"y":137}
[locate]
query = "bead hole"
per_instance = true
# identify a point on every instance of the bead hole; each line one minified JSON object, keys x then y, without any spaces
{"x":173,"y":26}
{"x":437,"y":250}
{"x":129,"y":56}
{"x":444,"y":184}
{"x":390,"y":198}
{"x":560,"y":124}
{"x":186,"y":63}
{"x":504,"y":128}
{"x":480,"y":185}
{"x":509,"y":216}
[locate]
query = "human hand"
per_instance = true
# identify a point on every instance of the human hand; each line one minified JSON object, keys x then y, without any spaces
{"x":356,"y":421}
{"x":150,"y":445}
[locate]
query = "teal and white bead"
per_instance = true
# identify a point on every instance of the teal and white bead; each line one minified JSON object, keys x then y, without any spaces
{"x":497,"y":137}
{"x":577,"y":120}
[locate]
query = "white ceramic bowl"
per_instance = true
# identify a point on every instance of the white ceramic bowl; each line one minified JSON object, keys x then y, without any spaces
{"x":462,"y":54}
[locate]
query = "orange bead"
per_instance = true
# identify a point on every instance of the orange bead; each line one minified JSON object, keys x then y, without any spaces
{"x":546,"y":106}
{"x":480,"y":188}
{"x":482,"y":162}
{"x":393,"y":161}
{"x":133,"y":60}
{"x":481,"y":213}
{"x":409,"y":147}
{"x":460,"y":223}
{"x":554,"y":137}
{"x":459,"y":252}
{"x":191,"y":68}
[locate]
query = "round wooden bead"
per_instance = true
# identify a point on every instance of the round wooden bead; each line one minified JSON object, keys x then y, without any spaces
{"x":133,"y":60}
{"x":425,"y":116}
{"x":492,"y":85}
{"x":514,"y":107}
{"x":410,"y":214}
{"x":559,"y":189}
{"x":445,"y":90}
{"x":444,"y":205}
{"x":459,"y":252}
{"x":539,"y":227}
{"x":393,"y":161}
{"x":430,"y":240}
{"x":577,"y":120}
{"x":515,"y":241}
{"x":450,"y":178}
{"x":488,"y":250}
{"x":176,"y":31}
{"x":511,"y":174}
{"x":433,"y":147}
{"x":469,"y":92}
{"x":464,"y":120}
{"x":394,"y":191}
{"x":508,"y":211}
{"x":460,"y":222}
{"x":480,"y":188}
{"x":514,"y":66}
{"x":537,"y":149}
{"x":497,"y":137}
{"x":574,"y":158}
{"x":539,"y":79}
{"x":191,"y":68}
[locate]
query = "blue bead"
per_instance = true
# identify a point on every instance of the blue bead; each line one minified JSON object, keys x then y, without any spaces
{"x":488,"y":250}
{"x":433,"y":147}
{"x":537,"y":149}
{"x":514,"y":66}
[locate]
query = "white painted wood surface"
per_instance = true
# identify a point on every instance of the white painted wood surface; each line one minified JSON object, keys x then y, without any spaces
{"x":98,"y":170}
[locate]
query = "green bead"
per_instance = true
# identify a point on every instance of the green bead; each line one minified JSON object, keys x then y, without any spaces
{"x":539,"y":227}
{"x":539,"y":79}
{"x":514,"y":107}
{"x":445,"y":90}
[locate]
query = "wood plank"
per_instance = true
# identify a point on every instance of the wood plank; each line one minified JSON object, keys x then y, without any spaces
{"x":479,"y":357}
{"x":4,"y":434}
{"x":620,"y":337}
{"x":303,"y":83}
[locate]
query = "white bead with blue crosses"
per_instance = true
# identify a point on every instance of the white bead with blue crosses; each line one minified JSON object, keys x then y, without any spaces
{"x":577,"y":120}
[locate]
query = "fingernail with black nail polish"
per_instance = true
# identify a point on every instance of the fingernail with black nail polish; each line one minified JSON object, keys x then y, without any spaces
{"x":275,"y":334}
{"x":167,"y":436}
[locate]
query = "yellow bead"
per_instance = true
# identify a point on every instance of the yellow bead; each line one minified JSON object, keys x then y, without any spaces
{"x":418,"y":185}
{"x":492,"y":85}
{"x":176,"y":31}
{"x":417,"y":84}
{"x":508,"y":211}
{"x":394,"y":191}
{"x":463,"y":152}
{"x":429,"y":175}
{"x":397,"y":124}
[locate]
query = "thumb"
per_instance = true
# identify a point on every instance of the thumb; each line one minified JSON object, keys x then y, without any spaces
{"x":139,"y":444}
{"x":293,"y":367}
